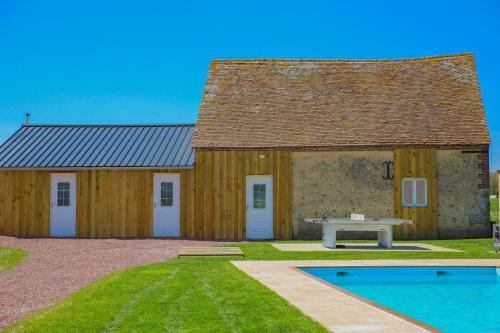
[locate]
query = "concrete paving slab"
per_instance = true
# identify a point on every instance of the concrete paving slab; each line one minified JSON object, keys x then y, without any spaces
{"x":397,"y":247}
{"x":210,"y":251}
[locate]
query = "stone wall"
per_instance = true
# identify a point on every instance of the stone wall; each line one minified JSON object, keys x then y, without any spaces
{"x":337,"y":184}
{"x":463,"y":201}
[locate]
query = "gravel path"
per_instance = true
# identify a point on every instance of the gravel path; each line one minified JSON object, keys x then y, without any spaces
{"x":55,"y":268}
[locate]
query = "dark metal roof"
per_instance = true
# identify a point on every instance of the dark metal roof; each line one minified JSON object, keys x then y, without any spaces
{"x":93,"y":146}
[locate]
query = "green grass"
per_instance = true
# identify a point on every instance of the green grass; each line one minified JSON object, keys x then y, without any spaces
{"x":471,"y":249}
{"x":203,"y":295}
{"x":185,"y":295}
{"x":494,"y":210}
{"x":10,"y":257}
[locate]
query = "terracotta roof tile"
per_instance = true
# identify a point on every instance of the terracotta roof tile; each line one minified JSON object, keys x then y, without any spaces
{"x":335,"y":103}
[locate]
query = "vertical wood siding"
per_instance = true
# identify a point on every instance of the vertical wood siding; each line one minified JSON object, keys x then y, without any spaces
{"x":24,"y":203}
{"x":221,"y":192}
{"x":415,"y":163}
{"x":118,"y":203}
{"x":110,"y":203}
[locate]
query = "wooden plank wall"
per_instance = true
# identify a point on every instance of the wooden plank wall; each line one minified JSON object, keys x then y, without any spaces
{"x":221,"y":192}
{"x":110,"y":203}
{"x":411,"y":163}
{"x":24,"y":203}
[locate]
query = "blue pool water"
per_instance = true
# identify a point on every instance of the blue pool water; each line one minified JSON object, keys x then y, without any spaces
{"x":452,"y":299}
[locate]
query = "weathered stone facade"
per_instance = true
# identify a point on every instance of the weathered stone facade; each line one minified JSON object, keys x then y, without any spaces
{"x":341,"y":182}
{"x":463,"y":203}
{"x":337,"y":184}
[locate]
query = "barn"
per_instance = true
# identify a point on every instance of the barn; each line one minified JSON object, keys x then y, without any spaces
{"x":97,"y":181}
{"x":404,"y":138}
{"x":275,"y":141}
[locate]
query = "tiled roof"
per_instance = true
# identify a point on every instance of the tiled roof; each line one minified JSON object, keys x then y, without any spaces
{"x":339,"y":103}
{"x":87,"y":146}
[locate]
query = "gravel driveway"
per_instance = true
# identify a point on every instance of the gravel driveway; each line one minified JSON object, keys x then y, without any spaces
{"x":58,"y":267}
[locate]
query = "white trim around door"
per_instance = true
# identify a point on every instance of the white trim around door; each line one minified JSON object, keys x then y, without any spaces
{"x":166,"y":205}
{"x":63,"y":205}
{"x":259,"y":217}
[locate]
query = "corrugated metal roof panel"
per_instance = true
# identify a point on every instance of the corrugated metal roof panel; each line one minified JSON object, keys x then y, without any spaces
{"x":87,"y":146}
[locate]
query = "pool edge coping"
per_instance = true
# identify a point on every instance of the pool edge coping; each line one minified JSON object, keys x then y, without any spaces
{"x":367,"y":301}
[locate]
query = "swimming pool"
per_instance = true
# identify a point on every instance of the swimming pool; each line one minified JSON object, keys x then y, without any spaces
{"x":452,"y":299}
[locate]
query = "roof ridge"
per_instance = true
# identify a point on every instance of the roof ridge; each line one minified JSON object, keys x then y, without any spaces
{"x":299,"y":60}
{"x":110,"y":125}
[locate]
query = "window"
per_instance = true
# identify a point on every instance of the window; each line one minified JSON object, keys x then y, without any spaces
{"x":62,"y":194}
{"x":414,"y":192}
{"x":167,"y":194}
{"x":259,"y":196}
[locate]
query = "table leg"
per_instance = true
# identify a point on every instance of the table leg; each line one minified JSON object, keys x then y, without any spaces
{"x":381,"y":238}
{"x":385,"y":238}
{"x":389,"y":238}
{"x":329,"y":236}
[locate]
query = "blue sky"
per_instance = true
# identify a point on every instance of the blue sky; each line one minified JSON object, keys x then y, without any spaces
{"x":146,"y":61}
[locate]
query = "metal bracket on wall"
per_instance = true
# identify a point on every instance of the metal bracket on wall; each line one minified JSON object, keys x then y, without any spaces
{"x":389,"y":174}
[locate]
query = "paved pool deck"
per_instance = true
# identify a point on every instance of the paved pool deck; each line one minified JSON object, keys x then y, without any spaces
{"x":335,"y":308}
{"x":396,"y":247}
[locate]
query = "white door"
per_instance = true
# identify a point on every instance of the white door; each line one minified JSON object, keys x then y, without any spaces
{"x":166,"y":205}
{"x":259,"y":207}
{"x":63,"y":205}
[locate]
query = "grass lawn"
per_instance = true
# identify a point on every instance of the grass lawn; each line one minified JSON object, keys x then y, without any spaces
{"x":202,"y":295}
{"x":10,"y":257}
{"x":185,"y":295}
